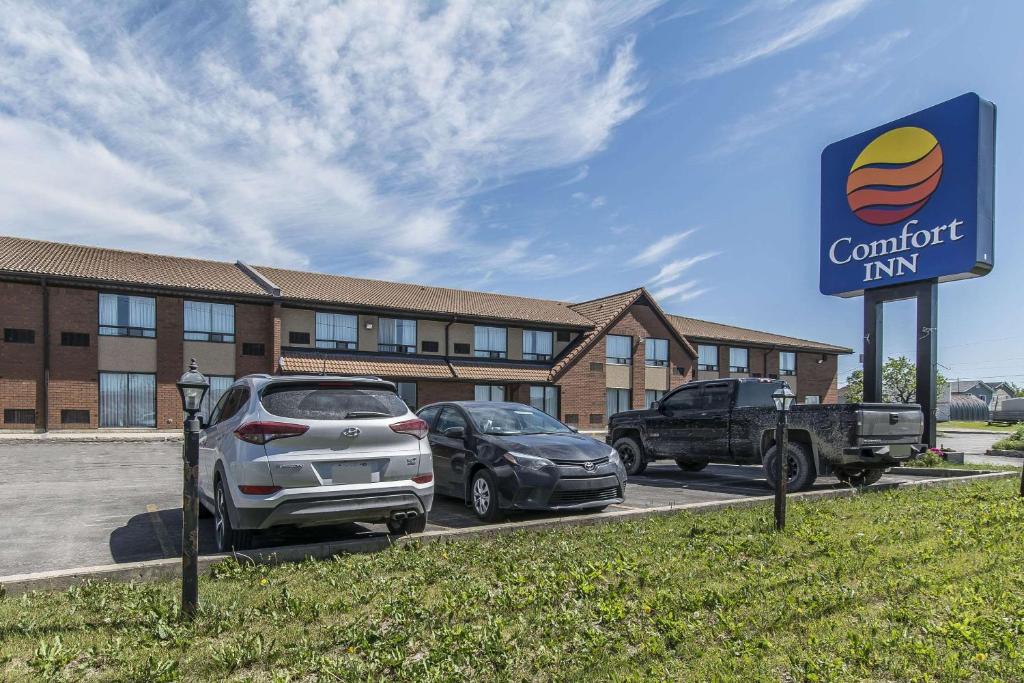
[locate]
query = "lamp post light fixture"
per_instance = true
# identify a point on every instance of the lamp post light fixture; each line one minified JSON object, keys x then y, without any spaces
{"x":783,"y":397}
{"x":192,"y":387}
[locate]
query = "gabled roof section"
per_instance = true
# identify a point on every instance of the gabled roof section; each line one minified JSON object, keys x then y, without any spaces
{"x":962,"y":386}
{"x":604,"y":313}
{"x":340,"y":290}
{"x":55,"y":259}
{"x":692,"y":328}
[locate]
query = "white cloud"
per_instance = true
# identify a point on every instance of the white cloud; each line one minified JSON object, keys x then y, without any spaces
{"x":301,"y":134}
{"x":598,"y":201}
{"x":672,"y":270}
{"x":685,"y":291}
{"x":579,"y":176}
{"x":655,"y":251}
{"x":777,"y":36}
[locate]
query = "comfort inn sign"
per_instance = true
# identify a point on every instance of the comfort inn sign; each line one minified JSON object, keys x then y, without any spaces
{"x":911,"y":200}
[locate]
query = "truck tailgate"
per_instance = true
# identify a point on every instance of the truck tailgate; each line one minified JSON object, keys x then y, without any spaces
{"x":891,"y":422}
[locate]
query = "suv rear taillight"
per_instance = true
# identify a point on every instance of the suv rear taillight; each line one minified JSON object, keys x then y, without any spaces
{"x":251,"y":490}
{"x":416,"y":427}
{"x":262,"y":432}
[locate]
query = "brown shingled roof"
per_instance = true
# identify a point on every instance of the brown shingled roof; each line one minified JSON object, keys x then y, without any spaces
{"x":342,"y":290}
{"x":703,"y":329}
{"x":500,"y":372}
{"x":37,"y":257}
{"x":316,"y":363}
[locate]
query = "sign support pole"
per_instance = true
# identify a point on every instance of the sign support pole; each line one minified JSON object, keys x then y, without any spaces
{"x":873,"y":316}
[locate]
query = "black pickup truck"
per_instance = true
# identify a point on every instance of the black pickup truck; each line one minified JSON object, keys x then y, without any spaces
{"x":733,"y":421}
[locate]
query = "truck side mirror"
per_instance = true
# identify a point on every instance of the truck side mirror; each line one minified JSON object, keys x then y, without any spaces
{"x":656,"y":405}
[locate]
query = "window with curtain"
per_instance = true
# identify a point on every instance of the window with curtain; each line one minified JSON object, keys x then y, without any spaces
{"x":738,"y":360}
{"x":537,"y":345}
{"x":618,"y":350}
{"x":489,"y":392}
{"x":127,"y":399}
{"x":407,"y":392}
{"x":656,"y":353}
{"x":490,"y":342}
{"x":218,"y":385}
{"x":545,"y":398}
{"x":205,"y":321}
{"x":787,"y":363}
{"x":336,"y":331}
{"x":652,"y":395}
{"x":127,"y":316}
{"x":396,"y":336}
{"x":812,"y":400}
{"x":618,"y":401}
{"x":707,"y":357}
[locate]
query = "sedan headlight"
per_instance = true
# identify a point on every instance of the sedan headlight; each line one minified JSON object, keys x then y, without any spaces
{"x":530,"y":462}
{"x":613,"y":456}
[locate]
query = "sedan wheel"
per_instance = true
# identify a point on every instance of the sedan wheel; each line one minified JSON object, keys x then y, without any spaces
{"x":484,"y":496}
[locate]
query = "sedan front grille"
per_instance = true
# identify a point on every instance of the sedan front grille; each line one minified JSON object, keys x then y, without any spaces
{"x":579,"y":463}
{"x":585,"y":496}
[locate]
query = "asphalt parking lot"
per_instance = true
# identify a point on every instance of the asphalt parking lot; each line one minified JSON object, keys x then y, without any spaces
{"x":71,"y":505}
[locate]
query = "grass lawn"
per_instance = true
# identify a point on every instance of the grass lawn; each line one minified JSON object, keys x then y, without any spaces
{"x":922,"y":584}
{"x":983,"y":426}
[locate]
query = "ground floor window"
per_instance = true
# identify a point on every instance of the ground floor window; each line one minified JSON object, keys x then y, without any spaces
{"x":812,"y":400}
{"x":652,"y":395}
{"x":546,"y":399}
{"x":407,"y":391}
{"x":127,"y":399}
{"x":618,"y":400}
{"x":489,"y":392}
{"x":218,"y":385}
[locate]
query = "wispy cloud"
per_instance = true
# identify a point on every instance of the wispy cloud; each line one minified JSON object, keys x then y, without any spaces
{"x":579,"y":176}
{"x":672,"y":270}
{"x":659,"y":249}
{"x":685,"y":291}
{"x":778,"y":37}
{"x":322,"y":135}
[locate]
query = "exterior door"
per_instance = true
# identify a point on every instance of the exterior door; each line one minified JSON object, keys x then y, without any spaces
{"x":449,"y":452}
{"x":675,"y":422}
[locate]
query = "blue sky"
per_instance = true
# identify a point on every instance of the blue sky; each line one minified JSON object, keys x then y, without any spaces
{"x":564,"y":151}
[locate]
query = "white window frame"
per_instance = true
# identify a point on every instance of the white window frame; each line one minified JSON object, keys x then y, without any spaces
{"x":812,"y":400}
{"x":652,"y":360}
{"x":400,"y":332}
{"x":134,"y":406}
{"x":329,"y":324}
{"x":488,"y":392}
{"x":734,"y":352}
{"x":707,"y":348}
{"x":787,"y":371}
{"x":544,"y":398}
{"x":623,"y":401}
{"x":140,"y":311}
{"x":203,"y":318}
{"x":652,"y":395}
{"x":490,"y":341}
{"x":618,"y":360}
{"x":532,"y":350}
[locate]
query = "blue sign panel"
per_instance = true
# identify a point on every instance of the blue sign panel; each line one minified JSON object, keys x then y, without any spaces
{"x":910,"y":200}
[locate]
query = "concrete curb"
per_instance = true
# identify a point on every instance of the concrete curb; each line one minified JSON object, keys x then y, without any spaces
{"x":971,"y":431}
{"x":22,"y":438}
{"x":1005,"y":454}
{"x":170,"y":568}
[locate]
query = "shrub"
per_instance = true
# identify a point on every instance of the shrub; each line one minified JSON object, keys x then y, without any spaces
{"x":1014,"y":442}
{"x":930,"y":458}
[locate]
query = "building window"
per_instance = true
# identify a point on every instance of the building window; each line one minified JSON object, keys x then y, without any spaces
{"x":219,"y":384}
{"x":74,"y":417}
{"x":127,"y":316}
{"x":812,"y":400}
{"x":618,"y":401}
{"x":253,"y":349}
{"x":298,"y":337}
{"x":490,"y":342}
{"x":618,"y":350}
{"x":407,"y":392}
{"x":656,"y":353}
{"x":127,"y":399}
{"x":205,"y":321}
{"x":336,"y":331}
{"x":787,"y":363}
{"x":537,"y":345}
{"x":16,"y":336}
{"x":461,"y":348}
{"x":74,"y":338}
{"x":488,"y":392}
{"x":396,"y":336}
{"x":546,"y":399}
{"x":738,"y":360}
{"x":19,"y":416}
{"x":652,"y":395}
{"x":429,"y":346}
{"x":707,"y":357}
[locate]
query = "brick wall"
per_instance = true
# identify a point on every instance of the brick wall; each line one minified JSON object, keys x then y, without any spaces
{"x":73,"y":375}
{"x":254,"y":323}
{"x":817,"y":379}
{"x":170,"y":332}
{"x":21,"y":365}
{"x":428,"y":392}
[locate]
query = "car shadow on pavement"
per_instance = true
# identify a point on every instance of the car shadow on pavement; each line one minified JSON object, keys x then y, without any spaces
{"x":735,"y":479}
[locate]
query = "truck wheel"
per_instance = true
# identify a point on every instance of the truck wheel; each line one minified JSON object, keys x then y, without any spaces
{"x":632,"y":455}
{"x":865,"y":477}
{"x":689,"y":466}
{"x":800,"y":468}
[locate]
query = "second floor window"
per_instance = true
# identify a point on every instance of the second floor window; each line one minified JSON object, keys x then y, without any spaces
{"x":738,"y":360}
{"x":787,"y":363}
{"x":396,"y":336}
{"x":336,"y":331}
{"x":707,"y":357}
{"x":205,"y":321}
{"x":127,"y":316}
{"x":536,"y":345}
{"x":490,"y":342}
{"x":618,"y":350}
{"x":656,"y":353}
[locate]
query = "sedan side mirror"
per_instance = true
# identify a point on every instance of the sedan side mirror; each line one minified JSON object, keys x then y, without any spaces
{"x":455,"y":433}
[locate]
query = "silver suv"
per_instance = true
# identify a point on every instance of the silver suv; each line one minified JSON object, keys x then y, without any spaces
{"x":307,"y":451}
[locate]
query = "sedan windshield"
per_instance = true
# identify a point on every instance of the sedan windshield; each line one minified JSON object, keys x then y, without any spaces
{"x":514,"y":420}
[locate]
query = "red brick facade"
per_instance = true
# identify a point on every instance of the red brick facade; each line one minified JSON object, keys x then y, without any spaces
{"x":21,"y":364}
{"x":73,"y":374}
{"x":254,"y":325}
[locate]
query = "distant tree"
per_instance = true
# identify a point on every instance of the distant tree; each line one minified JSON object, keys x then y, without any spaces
{"x":1015,"y":390}
{"x":899,"y":382}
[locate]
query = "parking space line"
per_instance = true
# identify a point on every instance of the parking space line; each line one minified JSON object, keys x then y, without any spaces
{"x":160,"y":530}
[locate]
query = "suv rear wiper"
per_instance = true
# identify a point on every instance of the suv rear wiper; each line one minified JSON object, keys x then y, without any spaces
{"x":365,"y":413}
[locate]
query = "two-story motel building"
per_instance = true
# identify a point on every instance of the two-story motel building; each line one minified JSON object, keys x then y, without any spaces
{"x":97,"y":338}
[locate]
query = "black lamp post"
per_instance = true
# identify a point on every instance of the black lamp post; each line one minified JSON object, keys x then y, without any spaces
{"x":193,"y":387}
{"x":783,"y":398}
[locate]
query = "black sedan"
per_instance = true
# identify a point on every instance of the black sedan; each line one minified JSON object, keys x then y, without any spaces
{"x":510,"y":456}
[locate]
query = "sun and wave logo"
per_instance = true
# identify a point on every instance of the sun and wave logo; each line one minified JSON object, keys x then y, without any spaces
{"x":894,"y":176}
